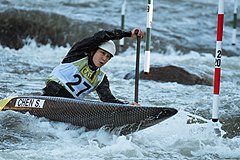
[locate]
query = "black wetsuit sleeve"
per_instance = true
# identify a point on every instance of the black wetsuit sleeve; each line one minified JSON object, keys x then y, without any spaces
{"x":84,"y":47}
{"x":105,"y":93}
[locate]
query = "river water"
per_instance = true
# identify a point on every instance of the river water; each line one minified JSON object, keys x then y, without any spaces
{"x":184,"y":35}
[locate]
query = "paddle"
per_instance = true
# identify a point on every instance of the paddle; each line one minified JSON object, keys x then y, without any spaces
{"x":137,"y":66}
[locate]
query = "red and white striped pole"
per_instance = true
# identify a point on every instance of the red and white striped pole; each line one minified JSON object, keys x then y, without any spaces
{"x":218,"y":56}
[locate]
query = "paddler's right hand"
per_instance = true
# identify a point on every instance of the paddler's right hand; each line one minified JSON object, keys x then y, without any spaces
{"x":135,"y":104}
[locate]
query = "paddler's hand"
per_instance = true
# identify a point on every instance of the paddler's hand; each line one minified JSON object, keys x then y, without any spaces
{"x":139,"y":33}
{"x":135,"y":104}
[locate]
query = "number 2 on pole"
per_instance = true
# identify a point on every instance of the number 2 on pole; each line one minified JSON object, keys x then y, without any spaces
{"x":218,"y":58}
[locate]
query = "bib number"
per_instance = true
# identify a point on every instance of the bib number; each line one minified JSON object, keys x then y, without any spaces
{"x":77,"y":82}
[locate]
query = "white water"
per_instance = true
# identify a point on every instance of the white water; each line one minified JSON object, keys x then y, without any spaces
{"x":23,"y":73}
{"x":172,"y":139}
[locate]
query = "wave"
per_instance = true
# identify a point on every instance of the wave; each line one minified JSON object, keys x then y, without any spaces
{"x":58,"y":30}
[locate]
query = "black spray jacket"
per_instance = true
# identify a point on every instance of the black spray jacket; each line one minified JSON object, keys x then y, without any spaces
{"x":85,"y":47}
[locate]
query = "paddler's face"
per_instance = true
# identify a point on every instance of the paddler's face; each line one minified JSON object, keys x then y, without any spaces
{"x":101,"y":57}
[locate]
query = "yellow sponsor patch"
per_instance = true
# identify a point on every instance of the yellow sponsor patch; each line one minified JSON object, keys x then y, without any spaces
{"x":88,"y":74}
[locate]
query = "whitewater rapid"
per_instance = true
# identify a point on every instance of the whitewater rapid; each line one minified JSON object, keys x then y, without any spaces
{"x":184,"y":35}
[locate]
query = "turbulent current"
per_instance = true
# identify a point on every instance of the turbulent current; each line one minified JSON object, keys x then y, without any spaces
{"x":183,"y":34}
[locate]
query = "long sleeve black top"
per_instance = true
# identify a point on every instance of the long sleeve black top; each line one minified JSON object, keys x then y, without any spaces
{"x":85,"y":47}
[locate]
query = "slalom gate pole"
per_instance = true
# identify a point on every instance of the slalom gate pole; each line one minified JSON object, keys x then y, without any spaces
{"x":121,"y":42}
{"x":137,"y":67}
{"x":148,"y":41}
{"x":218,"y":55}
{"x":234,"y":34}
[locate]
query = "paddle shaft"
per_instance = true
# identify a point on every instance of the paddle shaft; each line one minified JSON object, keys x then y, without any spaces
{"x":137,"y":67}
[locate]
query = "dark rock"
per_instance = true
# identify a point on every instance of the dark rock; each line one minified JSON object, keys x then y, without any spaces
{"x":231,"y":126}
{"x":58,"y":30}
{"x":171,"y":74}
{"x":45,"y":28}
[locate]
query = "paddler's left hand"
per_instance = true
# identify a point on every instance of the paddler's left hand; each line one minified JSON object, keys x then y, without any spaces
{"x":135,"y":104}
{"x":139,"y":33}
